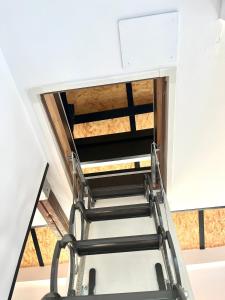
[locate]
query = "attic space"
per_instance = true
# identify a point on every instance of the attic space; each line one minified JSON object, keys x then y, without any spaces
{"x":112,"y":128}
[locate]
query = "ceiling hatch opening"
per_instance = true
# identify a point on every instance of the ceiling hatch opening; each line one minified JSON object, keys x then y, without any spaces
{"x":112,"y":128}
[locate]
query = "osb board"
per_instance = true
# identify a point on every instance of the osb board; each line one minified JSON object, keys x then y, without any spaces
{"x":144,"y":121}
{"x":100,"y":98}
{"x":214,"y":227}
{"x":145,"y":163}
{"x":47,"y":241}
{"x":142,"y":91}
{"x":187,"y":229}
{"x":108,"y":168}
{"x":107,"y":97}
{"x":102,"y":127}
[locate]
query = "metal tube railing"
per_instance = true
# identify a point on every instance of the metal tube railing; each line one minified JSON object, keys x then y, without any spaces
{"x":156,"y":182}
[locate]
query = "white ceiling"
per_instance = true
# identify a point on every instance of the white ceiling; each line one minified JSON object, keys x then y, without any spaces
{"x":53,"y":42}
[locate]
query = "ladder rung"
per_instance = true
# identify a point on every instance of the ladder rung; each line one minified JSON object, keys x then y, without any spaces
{"x":119,"y":244}
{"x":110,"y":192}
{"x":154,"y":295}
{"x":118,"y":212}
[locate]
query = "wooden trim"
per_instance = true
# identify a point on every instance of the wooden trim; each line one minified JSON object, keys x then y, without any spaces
{"x":160,"y":120}
{"x":54,"y":215}
{"x":51,"y":106}
{"x":27,"y":234}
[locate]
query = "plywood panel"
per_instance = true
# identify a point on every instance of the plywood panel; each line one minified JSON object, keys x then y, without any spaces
{"x":29,"y":256}
{"x":214,"y":227}
{"x":47,"y":240}
{"x":108,"y":168}
{"x":98,"y":98}
{"x":142,"y":91}
{"x":144,"y":121}
{"x":187,"y":229}
{"x":145,"y":163}
{"x":102,"y":127}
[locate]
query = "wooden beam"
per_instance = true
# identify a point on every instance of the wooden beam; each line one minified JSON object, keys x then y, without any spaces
{"x":54,"y":215}
{"x":160,"y":120}
{"x":51,"y":103}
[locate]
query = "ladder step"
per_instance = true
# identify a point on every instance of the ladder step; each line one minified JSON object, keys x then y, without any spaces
{"x":118,"y":192}
{"x":119,"y":244}
{"x":117,"y":186}
{"x":118,"y":212}
{"x":154,"y":295}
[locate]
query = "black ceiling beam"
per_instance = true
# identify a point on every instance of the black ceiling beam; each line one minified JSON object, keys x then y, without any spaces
{"x":118,"y":173}
{"x":114,"y":113}
{"x":201,"y":222}
{"x":115,"y":146}
{"x":130,"y":101}
{"x":37,"y":247}
{"x":115,"y":137}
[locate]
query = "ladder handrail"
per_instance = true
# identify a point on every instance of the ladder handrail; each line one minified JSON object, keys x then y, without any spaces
{"x":156,"y":182}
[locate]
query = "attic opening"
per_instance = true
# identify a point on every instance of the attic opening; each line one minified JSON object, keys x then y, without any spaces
{"x":112,"y":128}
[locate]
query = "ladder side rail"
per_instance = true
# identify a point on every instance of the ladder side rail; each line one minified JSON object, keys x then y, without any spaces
{"x":158,"y":183}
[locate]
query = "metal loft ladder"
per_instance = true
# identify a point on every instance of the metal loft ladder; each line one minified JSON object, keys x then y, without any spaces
{"x":170,"y":283}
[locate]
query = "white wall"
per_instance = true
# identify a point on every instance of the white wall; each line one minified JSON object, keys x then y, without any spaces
{"x":207,"y":280}
{"x":22,"y":167}
{"x":199,"y":145}
{"x":206,"y":270}
{"x":208,"y":255}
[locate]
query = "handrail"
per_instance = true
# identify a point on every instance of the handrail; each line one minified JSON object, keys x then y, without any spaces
{"x":156,"y":183}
